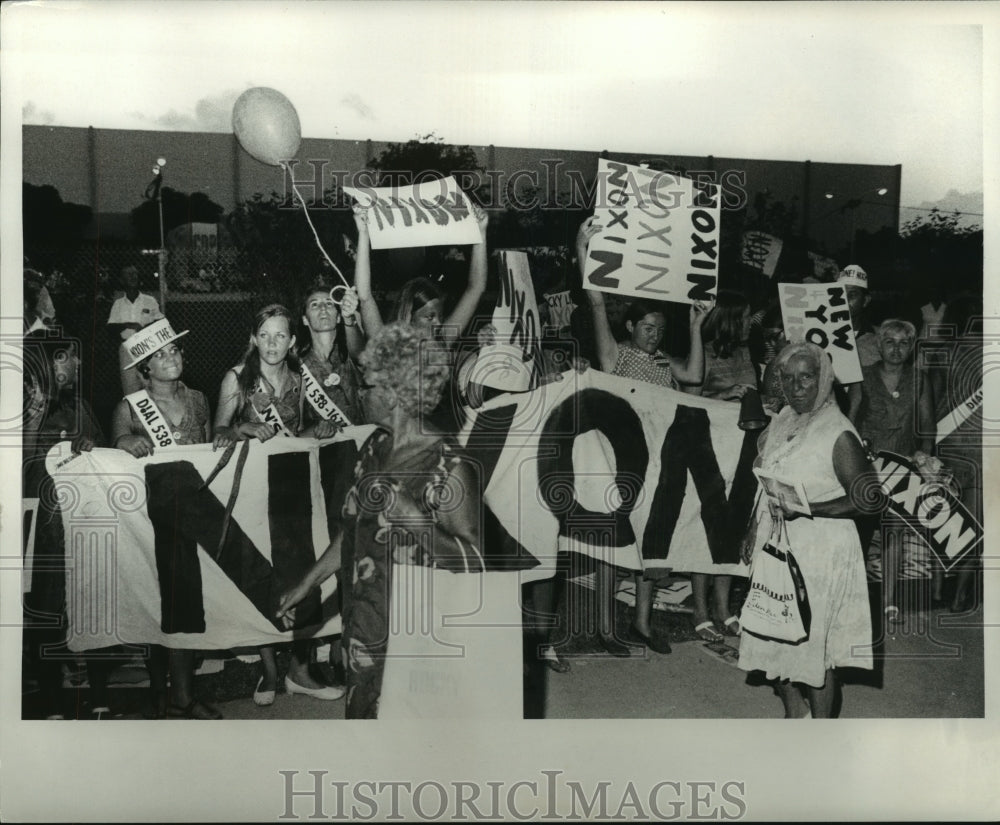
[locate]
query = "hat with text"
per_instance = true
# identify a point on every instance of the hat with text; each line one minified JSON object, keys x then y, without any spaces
{"x":149,"y":339}
{"x":853,"y":275}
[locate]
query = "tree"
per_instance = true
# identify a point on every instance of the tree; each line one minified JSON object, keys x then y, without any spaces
{"x":178,"y":208}
{"x":936,"y":248}
{"x":278,"y":253}
{"x":429,"y":157}
{"x":48,"y":220}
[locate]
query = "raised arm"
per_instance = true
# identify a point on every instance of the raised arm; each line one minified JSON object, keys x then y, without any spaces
{"x":692,"y":369}
{"x":467,"y":304}
{"x":607,"y":346}
{"x":349,"y":310}
{"x":370,"y":315}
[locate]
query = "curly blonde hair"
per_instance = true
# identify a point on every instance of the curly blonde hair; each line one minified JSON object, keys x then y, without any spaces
{"x":399,"y":358}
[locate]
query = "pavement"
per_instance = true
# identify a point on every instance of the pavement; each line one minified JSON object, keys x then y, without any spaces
{"x":928,"y":666}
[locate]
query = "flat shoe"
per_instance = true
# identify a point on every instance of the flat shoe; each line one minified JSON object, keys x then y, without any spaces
{"x":731,"y":626}
{"x":707,"y":633}
{"x":658,"y":643}
{"x":614,"y":647}
{"x":262,"y":698}
{"x":328,"y":693}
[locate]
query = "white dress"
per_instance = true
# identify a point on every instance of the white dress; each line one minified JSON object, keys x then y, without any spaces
{"x":828,"y":552}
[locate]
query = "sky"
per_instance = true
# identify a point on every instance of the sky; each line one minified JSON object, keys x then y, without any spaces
{"x":851,"y":83}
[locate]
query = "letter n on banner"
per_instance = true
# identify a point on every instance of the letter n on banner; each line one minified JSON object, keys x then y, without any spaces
{"x":178,"y":488}
{"x":687,"y":448}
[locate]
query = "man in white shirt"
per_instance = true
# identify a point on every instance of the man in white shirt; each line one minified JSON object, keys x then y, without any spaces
{"x":130,"y":313}
{"x":855,"y":281}
{"x":135,"y":309}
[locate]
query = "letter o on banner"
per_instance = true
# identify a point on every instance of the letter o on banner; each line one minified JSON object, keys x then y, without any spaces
{"x":614,"y":418}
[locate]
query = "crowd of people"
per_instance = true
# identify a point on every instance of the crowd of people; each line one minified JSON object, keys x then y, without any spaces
{"x":334,"y":361}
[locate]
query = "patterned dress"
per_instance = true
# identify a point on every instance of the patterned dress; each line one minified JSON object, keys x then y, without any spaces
{"x":342,"y":389}
{"x":191,"y":428}
{"x":641,"y":366}
{"x":886,"y":419}
{"x":370,"y":546}
{"x":722,"y":374}
{"x":827,"y":551}
{"x":288,"y":405}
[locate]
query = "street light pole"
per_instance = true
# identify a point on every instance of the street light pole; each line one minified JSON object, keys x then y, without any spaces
{"x":162,"y":254}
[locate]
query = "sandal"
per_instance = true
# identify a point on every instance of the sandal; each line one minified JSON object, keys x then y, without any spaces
{"x":193,"y":710}
{"x":707,"y":633}
{"x":731,"y":626}
{"x":892,"y":615}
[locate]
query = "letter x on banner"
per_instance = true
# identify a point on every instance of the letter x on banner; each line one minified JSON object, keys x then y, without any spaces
{"x":930,"y":509}
{"x":660,"y":238}
{"x":432,"y":213}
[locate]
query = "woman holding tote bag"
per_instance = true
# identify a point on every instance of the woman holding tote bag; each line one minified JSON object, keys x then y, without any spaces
{"x":812,"y":443}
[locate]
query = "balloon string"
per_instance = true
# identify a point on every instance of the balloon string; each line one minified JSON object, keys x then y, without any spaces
{"x":305,"y":209}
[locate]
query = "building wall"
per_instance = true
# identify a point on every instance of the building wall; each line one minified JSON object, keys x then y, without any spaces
{"x":109,"y":169}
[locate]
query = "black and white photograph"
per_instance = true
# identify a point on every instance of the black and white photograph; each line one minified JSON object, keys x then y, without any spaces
{"x":498,"y":411}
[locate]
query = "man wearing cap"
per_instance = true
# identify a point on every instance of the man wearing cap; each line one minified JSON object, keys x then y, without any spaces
{"x":855,"y":280}
{"x":135,"y":310}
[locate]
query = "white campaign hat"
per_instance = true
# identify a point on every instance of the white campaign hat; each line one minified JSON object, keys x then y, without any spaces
{"x":853,"y":275}
{"x":149,"y":339}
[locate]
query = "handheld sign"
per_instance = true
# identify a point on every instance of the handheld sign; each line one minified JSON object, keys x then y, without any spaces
{"x":761,"y":251}
{"x":784,"y":491}
{"x":433,"y":213}
{"x":818,"y":313}
{"x":560,"y":309}
{"x":660,"y":238}
{"x":513,"y":362}
{"x":929,"y":508}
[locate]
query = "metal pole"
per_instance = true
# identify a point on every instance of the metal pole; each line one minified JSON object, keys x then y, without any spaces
{"x":162,"y":255}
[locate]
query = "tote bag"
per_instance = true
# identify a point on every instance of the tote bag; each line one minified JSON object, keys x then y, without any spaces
{"x":777,"y":604}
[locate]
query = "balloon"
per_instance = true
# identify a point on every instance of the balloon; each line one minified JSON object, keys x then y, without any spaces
{"x":267,"y":125}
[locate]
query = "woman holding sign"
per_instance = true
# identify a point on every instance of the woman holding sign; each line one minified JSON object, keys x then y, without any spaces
{"x":811,"y":443}
{"x":639,"y":358}
{"x":890,"y":406}
{"x":420,"y":302}
{"x":260,"y":398}
{"x":165,"y":413}
{"x":416,"y":501}
{"x":729,"y":373}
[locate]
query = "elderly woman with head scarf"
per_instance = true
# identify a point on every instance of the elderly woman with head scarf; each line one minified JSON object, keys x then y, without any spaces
{"x":415,"y":500}
{"x":811,"y":442}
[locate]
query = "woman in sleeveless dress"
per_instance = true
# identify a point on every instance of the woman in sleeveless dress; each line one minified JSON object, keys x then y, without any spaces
{"x":639,"y":358}
{"x":185,"y":414}
{"x":416,"y":500}
{"x":260,"y":398}
{"x":811,"y":442}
